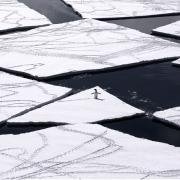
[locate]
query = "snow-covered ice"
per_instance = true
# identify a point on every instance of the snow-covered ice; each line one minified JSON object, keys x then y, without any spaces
{"x":19,"y":94}
{"x":45,"y":67}
{"x":123,"y":8}
{"x":172,"y":29}
{"x":80,"y":108}
{"x":177,"y":62}
{"x":14,"y":14}
{"x":85,"y":151}
{"x":84,"y":45}
{"x":170,"y":116}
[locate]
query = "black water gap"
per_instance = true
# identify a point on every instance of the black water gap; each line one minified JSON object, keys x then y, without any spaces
{"x":151,"y":87}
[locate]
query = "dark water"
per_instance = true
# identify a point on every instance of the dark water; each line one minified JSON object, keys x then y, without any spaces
{"x":55,"y":10}
{"x":150,"y":87}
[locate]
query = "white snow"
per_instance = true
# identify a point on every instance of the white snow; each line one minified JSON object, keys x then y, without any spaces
{"x":44,"y":67}
{"x":170,"y":116}
{"x":172,"y":29}
{"x":14,"y":14}
{"x":177,"y":62}
{"x":123,"y":8}
{"x":80,"y":108}
{"x":19,"y":94}
{"x":84,"y":45}
{"x":85,"y":151}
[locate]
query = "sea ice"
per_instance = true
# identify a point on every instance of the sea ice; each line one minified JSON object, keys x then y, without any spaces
{"x":19,"y":94}
{"x":81,"y":46}
{"x":14,"y":14}
{"x":85,"y":151}
{"x":80,"y":108}
{"x":170,"y":116}
{"x":177,"y":62}
{"x":123,"y":8}
{"x":172,"y":29}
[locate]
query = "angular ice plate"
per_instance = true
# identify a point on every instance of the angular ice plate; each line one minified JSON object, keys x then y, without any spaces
{"x":81,"y":46}
{"x":109,"y":9}
{"x":176,"y":63}
{"x":171,"y":30}
{"x":169,"y":116}
{"x":19,"y":94}
{"x":14,"y":15}
{"x":85,"y":151}
{"x":80,"y":108}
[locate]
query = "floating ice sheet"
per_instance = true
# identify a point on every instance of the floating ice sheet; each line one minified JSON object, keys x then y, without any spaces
{"x":80,"y":46}
{"x":85,"y":151}
{"x":20,"y":94}
{"x":80,"y":108}
{"x":14,"y":14}
{"x":123,"y":8}
{"x":177,"y":62}
{"x":170,"y":116}
{"x":172,"y":29}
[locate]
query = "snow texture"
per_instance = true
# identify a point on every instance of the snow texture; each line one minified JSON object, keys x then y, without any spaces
{"x":14,"y":14}
{"x":81,"y":46}
{"x":123,"y":8}
{"x":170,"y":116}
{"x":172,"y":29}
{"x":80,"y":108}
{"x":20,"y":94}
{"x":85,"y":151}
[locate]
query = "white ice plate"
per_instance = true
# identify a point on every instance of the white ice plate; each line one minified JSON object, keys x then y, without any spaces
{"x":172,"y":29}
{"x":85,"y":151}
{"x":177,"y":62}
{"x":14,"y":14}
{"x":170,"y":116}
{"x":80,"y":108}
{"x":100,"y":9}
{"x":84,"y":45}
{"x":19,"y":94}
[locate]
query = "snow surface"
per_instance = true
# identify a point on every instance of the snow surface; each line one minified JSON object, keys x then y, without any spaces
{"x":84,"y":45}
{"x":170,"y":116}
{"x":177,"y":62}
{"x":19,"y":94}
{"x":14,"y":14}
{"x":123,"y":8}
{"x":85,"y":151}
{"x":172,"y":29}
{"x":80,"y":108}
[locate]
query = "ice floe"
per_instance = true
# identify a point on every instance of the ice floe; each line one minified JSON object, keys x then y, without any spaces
{"x":172,"y":29}
{"x":123,"y":8}
{"x":81,"y":46}
{"x":170,"y":116}
{"x":85,"y":151}
{"x":14,"y":14}
{"x":19,"y":94}
{"x":80,"y":108}
{"x":177,"y":62}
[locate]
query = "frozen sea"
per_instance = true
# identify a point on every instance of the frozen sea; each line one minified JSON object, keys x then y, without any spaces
{"x":151,"y":87}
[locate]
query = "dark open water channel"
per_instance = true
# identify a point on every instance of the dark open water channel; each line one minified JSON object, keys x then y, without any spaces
{"x":151,"y":87}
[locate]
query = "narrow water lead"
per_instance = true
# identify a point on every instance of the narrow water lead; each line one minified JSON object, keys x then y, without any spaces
{"x":147,"y":128}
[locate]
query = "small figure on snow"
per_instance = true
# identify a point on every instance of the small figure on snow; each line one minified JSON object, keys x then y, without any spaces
{"x":96,"y":93}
